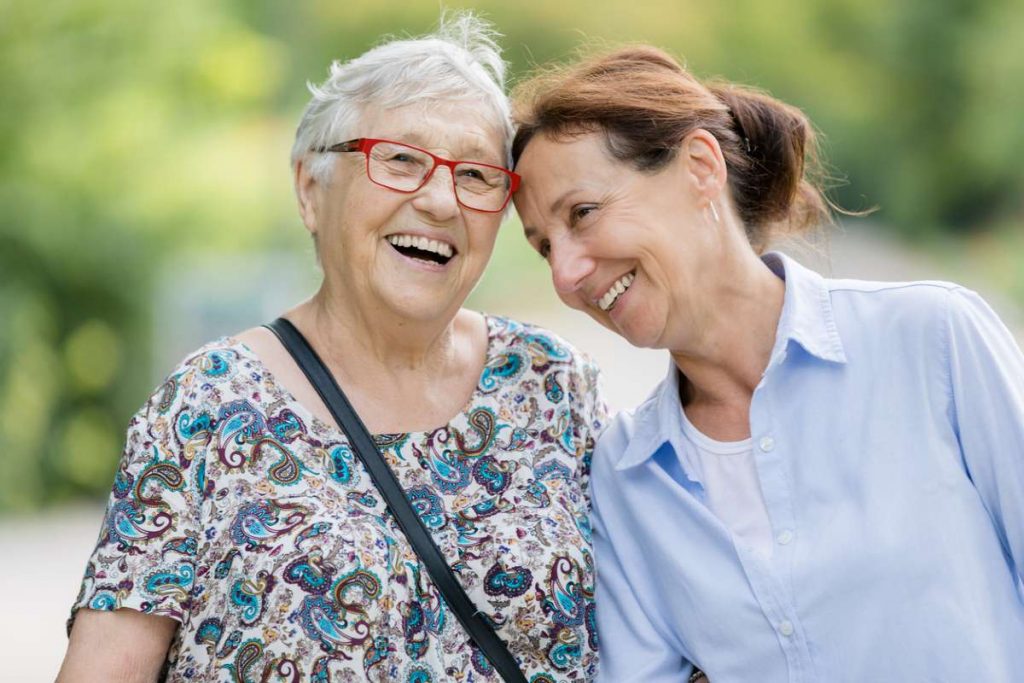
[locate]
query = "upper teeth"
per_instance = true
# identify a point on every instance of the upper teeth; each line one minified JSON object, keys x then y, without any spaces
{"x":421,"y":243}
{"x":613,"y":293}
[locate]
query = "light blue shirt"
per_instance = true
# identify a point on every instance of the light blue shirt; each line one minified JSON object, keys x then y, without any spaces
{"x":888,"y":432}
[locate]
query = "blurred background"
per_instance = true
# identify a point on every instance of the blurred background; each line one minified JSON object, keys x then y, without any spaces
{"x":146,"y":206}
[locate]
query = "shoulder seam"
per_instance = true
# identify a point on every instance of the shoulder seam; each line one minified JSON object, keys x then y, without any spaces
{"x":890,"y":286}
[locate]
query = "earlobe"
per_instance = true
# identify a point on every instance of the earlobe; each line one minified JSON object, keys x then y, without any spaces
{"x":305,"y":194}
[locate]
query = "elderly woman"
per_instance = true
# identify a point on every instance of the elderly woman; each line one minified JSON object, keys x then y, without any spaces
{"x":829,"y":483}
{"x":243,"y":539}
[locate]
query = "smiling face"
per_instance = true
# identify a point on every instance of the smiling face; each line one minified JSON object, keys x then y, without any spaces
{"x":417,"y":255}
{"x":629,"y":248}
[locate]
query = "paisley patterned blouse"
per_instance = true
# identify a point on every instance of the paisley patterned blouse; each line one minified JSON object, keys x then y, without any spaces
{"x":248,"y":520}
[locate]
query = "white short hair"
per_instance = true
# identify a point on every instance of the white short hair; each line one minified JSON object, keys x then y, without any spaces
{"x":461,"y":61}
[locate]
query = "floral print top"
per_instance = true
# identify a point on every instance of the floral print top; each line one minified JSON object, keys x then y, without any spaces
{"x":237,"y":513}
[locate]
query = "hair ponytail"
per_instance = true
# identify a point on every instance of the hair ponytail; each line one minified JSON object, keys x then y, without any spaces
{"x":646,"y":103}
{"x":777,"y":152}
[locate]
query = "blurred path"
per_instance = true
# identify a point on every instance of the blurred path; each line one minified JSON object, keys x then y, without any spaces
{"x":44,"y":556}
{"x":43,"y":560}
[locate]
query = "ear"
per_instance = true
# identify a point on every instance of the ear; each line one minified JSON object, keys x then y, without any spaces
{"x":306,"y":187}
{"x":703,"y":161}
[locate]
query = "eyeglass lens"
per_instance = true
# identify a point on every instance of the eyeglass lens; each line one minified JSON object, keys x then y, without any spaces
{"x":404,"y":168}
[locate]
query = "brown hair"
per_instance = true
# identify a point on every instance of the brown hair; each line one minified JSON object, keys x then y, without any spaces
{"x":646,"y":103}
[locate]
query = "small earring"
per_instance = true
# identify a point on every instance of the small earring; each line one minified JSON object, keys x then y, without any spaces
{"x":714,"y":213}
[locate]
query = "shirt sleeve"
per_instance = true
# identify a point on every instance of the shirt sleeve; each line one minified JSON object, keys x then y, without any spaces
{"x":987,"y":378}
{"x":145,"y":556}
{"x":632,"y":649}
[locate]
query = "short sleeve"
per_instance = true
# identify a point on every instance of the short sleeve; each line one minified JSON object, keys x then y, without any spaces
{"x":590,"y":414}
{"x":145,"y":556}
{"x":987,"y":382}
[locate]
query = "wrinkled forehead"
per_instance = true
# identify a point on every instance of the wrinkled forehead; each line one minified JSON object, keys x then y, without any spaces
{"x":462,"y":128}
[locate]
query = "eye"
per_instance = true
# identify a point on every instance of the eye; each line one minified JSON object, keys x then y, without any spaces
{"x":402,"y":157}
{"x":579,"y":212}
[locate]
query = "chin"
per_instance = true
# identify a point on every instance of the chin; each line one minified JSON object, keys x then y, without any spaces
{"x":424,"y":311}
{"x":644,"y":341}
{"x":643,"y":334}
{"x":424,"y":306}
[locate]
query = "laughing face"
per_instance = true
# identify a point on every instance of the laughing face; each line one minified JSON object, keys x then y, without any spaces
{"x":629,"y":248}
{"x":414,"y":255}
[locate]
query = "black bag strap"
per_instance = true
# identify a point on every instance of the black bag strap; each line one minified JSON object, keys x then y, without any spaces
{"x":384,"y":479}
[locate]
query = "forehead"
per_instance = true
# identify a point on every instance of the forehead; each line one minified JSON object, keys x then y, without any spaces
{"x":462,"y":129}
{"x":565,"y":158}
{"x":551,"y":166}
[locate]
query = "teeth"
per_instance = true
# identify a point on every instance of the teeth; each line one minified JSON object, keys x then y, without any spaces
{"x":422,"y":243}
{"x":615,"y":291}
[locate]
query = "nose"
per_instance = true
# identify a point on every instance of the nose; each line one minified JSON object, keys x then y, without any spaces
{"x":570,"y":265}
{"x":437,"y":196}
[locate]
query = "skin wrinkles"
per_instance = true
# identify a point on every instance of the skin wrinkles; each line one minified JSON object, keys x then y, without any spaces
{"x":482,"y":151}
{"x":365,"y":279}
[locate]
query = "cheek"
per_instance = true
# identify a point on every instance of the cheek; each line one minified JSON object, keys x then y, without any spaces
{"x":572,"y":300}
{"x":483,"y":234}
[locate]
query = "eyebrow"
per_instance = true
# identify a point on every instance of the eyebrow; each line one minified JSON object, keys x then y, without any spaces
{"x":556,"y":205}
{"x":472,"y":153}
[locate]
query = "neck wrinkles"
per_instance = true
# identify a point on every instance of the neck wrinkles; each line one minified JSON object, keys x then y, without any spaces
{"x":362,"y":343}
{"x":738,"y":331}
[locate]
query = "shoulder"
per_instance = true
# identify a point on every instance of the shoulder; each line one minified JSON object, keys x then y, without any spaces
{"x":543,"y":349}
{"x":207,"y":374}
{"x":919,"y":291}
{"x":917,"y":304}
{"x":507,"y":332}
{"x":546,"y":370}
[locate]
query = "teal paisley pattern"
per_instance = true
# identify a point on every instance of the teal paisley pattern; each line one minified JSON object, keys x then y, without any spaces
{"x":251,"y":522}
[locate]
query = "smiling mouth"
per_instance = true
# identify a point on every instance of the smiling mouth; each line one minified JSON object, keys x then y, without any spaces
{"x":422,"y":249}
{"x":607,"y":302}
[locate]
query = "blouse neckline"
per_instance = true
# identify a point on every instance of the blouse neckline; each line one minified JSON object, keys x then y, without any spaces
{"x":311,"y":418}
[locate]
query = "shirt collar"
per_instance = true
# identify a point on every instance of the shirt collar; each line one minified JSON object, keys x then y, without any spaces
{"x":807,"y":319}
{"x":655,"y":421}
{"x":807,"y":316}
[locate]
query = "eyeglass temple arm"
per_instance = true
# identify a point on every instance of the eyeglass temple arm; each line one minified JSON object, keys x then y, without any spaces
{"x":347,"y":146}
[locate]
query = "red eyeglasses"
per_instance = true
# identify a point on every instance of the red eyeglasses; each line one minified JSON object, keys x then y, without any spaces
{"x":404,"y":168}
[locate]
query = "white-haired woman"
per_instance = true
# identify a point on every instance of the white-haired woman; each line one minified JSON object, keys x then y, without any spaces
{"x":243,"y":540}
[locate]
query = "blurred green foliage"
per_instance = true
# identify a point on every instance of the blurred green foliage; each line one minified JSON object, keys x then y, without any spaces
{"x":136,"y":133}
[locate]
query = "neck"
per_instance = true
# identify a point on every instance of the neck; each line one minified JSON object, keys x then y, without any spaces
{"x":364,"y":345}
{"x":737,"y":323}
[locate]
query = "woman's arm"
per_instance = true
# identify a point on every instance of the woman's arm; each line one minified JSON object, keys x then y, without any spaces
{"x":631,"y":648}
{"x":987,"y":378}
{"x":123,"y":646}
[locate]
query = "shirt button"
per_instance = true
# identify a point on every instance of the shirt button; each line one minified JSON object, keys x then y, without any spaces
{"x":786,"y":628}
{"x":785,"y":537}
{"x":766,"y":443}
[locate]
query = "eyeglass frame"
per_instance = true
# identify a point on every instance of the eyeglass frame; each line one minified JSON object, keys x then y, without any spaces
{"x":364,"y":145}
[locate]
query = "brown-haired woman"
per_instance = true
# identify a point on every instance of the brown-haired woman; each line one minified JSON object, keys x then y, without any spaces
{"x":828,"y":483}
